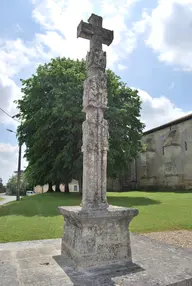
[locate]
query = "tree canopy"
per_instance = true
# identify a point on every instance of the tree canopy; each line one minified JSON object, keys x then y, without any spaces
{"x":51,"y":118}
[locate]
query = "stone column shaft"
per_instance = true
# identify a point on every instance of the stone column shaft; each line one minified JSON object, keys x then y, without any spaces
{"x":95,"y":132}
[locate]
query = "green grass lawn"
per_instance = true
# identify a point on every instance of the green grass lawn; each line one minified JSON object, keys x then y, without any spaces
{"x":37,"y":217}
{"x":1,"y":199}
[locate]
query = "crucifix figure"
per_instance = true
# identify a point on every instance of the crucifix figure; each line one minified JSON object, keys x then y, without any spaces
{"x":95,"y":127}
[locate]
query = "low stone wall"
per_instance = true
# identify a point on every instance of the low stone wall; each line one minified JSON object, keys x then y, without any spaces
{"x":167,"y":182}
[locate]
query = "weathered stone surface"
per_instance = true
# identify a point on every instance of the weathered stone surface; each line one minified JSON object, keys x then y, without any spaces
{"x":168,"y":157}
{"x":95,"y":92}
{"x":27,"y":253}
{"x":96,"y":60}
{"x":89,"y":135}
{"x":95,"y":142}
{"x":95,"y":127}
{"x":8,"y":273}
{"x":154,"y":264}
{"x":5,"y":255}
{"x":96,"y":234}
{"x":94,"y":32}
{"x":95,"y":133}
{"x":97,"y":237}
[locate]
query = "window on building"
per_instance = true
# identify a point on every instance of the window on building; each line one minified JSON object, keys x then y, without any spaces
{"x":75,"y":188}
{"x":185,"y":146}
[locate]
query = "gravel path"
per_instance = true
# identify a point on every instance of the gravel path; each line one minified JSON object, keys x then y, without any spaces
{"x":182,"y":238}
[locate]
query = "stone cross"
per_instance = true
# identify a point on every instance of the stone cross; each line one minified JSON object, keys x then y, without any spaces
{"x":94,"y":32}
{"x":97,"y":233}
{"x":95,"y":127}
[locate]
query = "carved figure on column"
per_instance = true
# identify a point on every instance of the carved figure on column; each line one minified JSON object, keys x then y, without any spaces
{"x":95,"y":92}
{"x":95,"y":128}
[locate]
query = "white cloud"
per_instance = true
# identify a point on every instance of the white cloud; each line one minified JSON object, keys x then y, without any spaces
{"x":171,"y":32}
{"x":158,"y":110}
{"x":16,"y":56}
{"x":11,"y":51}
{"x":139,"y":27}
{"x":60,"y":21}
{"x":9,"y":160}
{"x":7,"y":148}
{"x":9,"y":91}
{"x":110,"y":7}
{"x":121,"y":67}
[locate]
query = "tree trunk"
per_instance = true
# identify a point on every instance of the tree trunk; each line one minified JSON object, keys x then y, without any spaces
{"x":67,"y":188}
{"x":57,"y":187}
{"x":50,"y":189}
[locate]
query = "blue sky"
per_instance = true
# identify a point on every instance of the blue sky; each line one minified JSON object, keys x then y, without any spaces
{"x":151,"y":51}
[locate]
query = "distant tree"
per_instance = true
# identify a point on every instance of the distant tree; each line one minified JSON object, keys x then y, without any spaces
{"x":12,"y":184}
{"x":2,"y":187}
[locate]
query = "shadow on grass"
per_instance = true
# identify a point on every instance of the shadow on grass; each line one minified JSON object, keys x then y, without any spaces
{"x":46,"y":205}
{"x":131,"y":201}
{"x":164,"y":190}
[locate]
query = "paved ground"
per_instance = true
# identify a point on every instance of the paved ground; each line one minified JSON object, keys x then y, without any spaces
{"x":39,"y":263}
{"x":7,"y":199}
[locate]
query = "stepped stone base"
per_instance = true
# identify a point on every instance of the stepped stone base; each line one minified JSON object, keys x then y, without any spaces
{"x":97,"y":238}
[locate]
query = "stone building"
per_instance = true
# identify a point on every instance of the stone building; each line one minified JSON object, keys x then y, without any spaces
{"x":73,"y":187}
{"x":167,"y":160}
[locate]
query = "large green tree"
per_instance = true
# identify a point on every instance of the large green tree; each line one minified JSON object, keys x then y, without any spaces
{"x":51,"y":122}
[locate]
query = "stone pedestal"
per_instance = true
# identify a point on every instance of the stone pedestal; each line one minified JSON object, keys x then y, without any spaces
{"x":98,"y":237}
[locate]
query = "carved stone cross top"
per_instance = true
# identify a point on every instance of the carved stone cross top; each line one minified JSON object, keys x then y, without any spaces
{"x":94,"y":32}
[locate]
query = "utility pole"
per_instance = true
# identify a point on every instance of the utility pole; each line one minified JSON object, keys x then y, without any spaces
{"x":18,"y":169}
{"x":19,"y":174}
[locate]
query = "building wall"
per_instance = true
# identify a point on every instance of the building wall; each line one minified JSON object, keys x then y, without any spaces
{"x":167,"y":161}
{"x":73,"y":187}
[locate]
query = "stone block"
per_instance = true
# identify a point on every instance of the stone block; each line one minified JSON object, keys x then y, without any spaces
{"x":97,"y":237}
